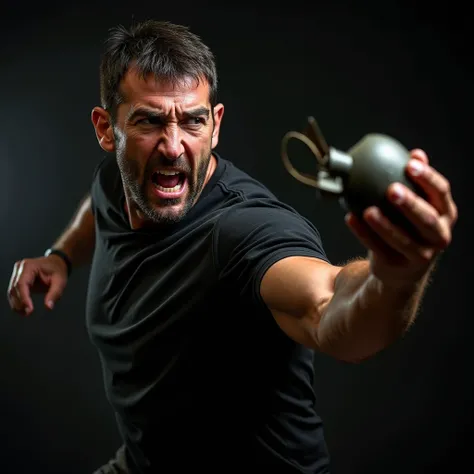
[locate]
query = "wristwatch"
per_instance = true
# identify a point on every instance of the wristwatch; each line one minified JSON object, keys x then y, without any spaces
{"x":60,"y":253}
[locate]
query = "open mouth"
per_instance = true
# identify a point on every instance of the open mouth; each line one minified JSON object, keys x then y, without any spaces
{"x":168,"y":183}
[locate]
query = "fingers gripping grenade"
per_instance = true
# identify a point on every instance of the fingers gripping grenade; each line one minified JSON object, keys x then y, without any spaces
{"x":360,"y":176}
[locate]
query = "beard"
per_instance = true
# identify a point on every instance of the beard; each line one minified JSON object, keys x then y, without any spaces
{"x":157,"y":213}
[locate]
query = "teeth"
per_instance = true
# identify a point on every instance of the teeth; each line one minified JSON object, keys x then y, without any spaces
{"x":175,"y":189}
{"x":168,"y":173}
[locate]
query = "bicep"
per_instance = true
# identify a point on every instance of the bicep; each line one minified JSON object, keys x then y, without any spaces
{"x":273,"y":257}
{"x":296,"y":291}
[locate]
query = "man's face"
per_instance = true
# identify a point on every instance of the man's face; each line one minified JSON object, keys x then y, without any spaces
{"x":163,"y":137}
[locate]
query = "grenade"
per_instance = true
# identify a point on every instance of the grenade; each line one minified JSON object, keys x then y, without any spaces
{"x":360,"y":176}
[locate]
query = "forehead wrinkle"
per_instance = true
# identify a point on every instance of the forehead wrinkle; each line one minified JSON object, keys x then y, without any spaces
{"x":169,"y":100}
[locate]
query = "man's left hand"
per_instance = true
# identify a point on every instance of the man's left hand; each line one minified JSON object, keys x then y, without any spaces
{"x":396,"y":257}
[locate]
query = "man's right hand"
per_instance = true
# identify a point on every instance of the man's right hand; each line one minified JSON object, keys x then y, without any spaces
{"x":37,"y":275}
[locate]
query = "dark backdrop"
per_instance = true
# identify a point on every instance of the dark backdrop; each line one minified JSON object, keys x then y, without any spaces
{"x":399,"y":69}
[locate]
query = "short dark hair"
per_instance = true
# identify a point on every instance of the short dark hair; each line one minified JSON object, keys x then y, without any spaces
{"x":166,"y":50}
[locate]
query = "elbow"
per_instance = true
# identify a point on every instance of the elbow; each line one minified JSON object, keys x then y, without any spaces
{"x":342,"y":354}
{"x":351,"y":348}
{"x":347,"y":355}
{"x":344,"y":346}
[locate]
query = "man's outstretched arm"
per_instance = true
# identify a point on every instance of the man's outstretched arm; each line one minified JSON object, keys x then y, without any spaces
{"x":345,"y":312}
{"x":354,"y":311}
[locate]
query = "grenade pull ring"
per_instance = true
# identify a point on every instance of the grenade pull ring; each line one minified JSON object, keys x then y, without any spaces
{"x":359,"y":177}
{"x":315,"y":141}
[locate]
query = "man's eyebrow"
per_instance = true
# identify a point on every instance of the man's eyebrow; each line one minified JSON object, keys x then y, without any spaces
{"x":156,"y":114}
{"x":144,"y":112}
{"x":197,"y":112}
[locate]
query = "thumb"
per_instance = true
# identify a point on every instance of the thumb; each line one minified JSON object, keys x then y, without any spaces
{"x":56,"y":288}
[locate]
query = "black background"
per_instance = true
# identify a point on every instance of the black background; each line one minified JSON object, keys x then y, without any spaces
{"x":398,"y":68}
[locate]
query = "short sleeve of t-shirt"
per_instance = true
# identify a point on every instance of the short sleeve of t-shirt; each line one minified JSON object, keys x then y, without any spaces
{"x":248,"y":239}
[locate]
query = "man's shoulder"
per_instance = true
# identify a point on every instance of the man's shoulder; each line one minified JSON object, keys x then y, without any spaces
{"x":253,"y":212}
{"x":255,"y":205}
{"x":260,"y":226}
{"x":238,"y":181}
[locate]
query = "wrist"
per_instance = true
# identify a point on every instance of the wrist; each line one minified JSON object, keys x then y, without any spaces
{"x":61,"y":254}
{"x":405,"y":286}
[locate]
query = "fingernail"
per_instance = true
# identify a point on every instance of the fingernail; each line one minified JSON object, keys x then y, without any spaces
{"x":416,"y":167}
{"x":397,"y":194}
{"x":50,"y":304}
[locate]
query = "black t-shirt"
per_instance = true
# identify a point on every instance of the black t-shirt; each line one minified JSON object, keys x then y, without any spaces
{"x":199,"y":374}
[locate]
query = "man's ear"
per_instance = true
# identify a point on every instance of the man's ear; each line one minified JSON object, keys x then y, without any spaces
{"x":103,"y":129}
{"x":218,"y":112}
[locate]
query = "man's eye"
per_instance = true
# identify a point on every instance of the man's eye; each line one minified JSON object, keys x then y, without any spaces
{"x":149,"y":121}
{"x":195,"y":121}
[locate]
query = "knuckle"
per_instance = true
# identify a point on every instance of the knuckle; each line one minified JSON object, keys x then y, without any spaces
{"x":425,"y":257}
{"x":454,"y":214}
{"x":17,"y":300}
{"x":14,"y":304}
{"x":431,"y":220}
{"x":400,"y":237}
{"x":444,"y":185}
{"x":445,"y":239}
{"x":424,"y":254}
{"x":403,"y":240}
{"x":416,"y":208}
{"x":442,"y":243}
{"x":409,"y":200}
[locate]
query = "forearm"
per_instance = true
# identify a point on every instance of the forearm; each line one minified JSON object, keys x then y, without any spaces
{"x":364,"y":316}
{"x":78,"y":239}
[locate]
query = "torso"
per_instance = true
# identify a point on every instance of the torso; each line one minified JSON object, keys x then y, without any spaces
{"x":182,"y":355}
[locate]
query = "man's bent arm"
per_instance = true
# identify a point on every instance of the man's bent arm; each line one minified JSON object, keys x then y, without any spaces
{"x":345,"y":312}
{"x":78,"y":239}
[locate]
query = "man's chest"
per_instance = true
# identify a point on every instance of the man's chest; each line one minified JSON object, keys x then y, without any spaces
{"x":134,"y":279}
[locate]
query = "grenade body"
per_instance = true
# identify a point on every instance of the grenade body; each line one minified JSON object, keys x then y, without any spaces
{"x":376,"y":161}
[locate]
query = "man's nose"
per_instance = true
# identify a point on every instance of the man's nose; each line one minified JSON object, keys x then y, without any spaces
{"x":170,"y":144}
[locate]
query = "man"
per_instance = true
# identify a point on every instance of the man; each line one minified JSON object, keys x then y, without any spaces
{"x":208,"y":297}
